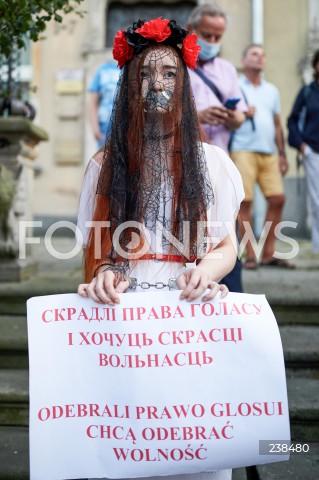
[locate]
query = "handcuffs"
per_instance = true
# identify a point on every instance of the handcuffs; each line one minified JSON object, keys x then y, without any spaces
{"x":171,"y":284}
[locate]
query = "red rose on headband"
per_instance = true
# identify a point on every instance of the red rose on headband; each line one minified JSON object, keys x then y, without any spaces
{"x":122,"y":51}
{"x":157,"y":30}
{"x":190,"y":50}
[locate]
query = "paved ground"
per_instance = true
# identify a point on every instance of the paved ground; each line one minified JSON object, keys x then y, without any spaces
{"x":282,"y":286}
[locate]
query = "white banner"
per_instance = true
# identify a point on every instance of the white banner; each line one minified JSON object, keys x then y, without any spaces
{"x":153,"y":386}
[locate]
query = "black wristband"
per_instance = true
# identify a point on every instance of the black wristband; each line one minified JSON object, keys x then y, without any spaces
{"x":102,"y":265}
{"x":115,"y":269}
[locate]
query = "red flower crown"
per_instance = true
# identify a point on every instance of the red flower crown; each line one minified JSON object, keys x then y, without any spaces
{"x":165,"y":32}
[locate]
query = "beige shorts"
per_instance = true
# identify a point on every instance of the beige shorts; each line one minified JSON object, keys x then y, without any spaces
{"x":259,"y":168}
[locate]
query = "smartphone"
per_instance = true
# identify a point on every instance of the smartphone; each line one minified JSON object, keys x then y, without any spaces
{"x":231,"y":103}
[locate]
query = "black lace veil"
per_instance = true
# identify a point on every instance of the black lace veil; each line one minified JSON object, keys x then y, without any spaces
{"x":154,"y":169}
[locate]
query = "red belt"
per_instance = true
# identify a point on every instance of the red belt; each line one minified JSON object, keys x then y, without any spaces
{"x":167,"y":258}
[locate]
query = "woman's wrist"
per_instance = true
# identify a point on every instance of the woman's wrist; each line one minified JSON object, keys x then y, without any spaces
{"x":205,"y":266}
{"x":97,"y":270}
{"x":107,"y":266}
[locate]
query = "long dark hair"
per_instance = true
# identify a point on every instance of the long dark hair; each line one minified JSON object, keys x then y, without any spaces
{"x":125,"y":192}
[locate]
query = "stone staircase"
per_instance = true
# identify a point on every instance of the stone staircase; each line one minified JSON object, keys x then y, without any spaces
{"x":299,"y":327}
{"x":54,"y":276}
{"x":294,"y":298}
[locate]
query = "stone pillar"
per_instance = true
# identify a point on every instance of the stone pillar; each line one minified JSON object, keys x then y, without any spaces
{"x":18,"y":138}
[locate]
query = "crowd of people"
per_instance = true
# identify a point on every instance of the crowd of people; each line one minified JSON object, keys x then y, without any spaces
{"x":249,"y":130}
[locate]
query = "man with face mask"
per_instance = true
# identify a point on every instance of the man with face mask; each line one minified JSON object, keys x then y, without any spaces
{"x":213,"y":82}
{"x":209,"y":21}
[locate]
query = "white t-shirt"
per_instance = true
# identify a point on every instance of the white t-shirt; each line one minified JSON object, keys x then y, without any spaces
{"x":221,"y":214}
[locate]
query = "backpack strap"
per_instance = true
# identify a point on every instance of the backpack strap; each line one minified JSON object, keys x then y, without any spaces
{"x":210,"y":84}
{"x":252,"y":121}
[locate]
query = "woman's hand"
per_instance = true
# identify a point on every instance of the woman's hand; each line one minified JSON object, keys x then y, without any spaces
{"x":194,"y":282}
{"x":104,"y":288}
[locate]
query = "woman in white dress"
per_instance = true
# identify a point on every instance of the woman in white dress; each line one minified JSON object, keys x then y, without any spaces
{"x":169,"y":199}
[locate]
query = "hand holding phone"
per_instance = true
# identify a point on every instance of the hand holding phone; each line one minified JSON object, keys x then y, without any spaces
{"x":231,"y":103}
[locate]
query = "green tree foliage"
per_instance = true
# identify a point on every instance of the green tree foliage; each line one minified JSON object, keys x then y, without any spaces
{"x":20,"y":19}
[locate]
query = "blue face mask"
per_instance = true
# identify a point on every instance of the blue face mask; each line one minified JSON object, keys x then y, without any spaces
{"x":208,"y":50}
